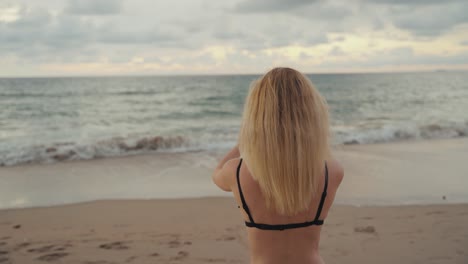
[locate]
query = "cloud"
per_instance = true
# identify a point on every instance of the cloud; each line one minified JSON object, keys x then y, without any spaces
{"x":8,"y":13}
{"x":258,"y":6}
{"x":413,"y":2}
{"x":420,"y":17}
{"x":428,"y":18}
{"x":398,"y":57}
{"x":94,"y":7}
{"x":287,"y":30}
{"x":336,"y":52}
{"x":154,"y":36}
{"x":241,"y":35}
{"x":37,"y":33}
{"x":428,"y":21}
{"x":311,"y":17}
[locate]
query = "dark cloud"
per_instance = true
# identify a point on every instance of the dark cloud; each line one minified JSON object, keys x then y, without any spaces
{"x":287,"y":30}
{"x":431,"y":20}
{"x":94,"y":7}
{"x":412,"y":2}
{"x":427,"y":18}
{"x":326,"y":11}
{"x":316,"y":16}
{"x":108,"y":35}
{"x":38,"y":31}
{"x":258,"y":6}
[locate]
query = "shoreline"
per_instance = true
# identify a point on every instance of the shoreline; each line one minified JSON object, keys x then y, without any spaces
{"x":227,"y":196}
{"x":375,"y":174}
{"x":192,"y":150}
{"x":210,"y":230}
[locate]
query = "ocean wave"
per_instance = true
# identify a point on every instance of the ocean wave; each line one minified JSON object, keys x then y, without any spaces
{"x":394,"y":134}
{"x":151,"y":92}
{"x":118,"y":146}
{"x":217,"y":139}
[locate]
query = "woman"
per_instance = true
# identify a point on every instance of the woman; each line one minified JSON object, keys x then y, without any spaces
{"x":281,"y":173}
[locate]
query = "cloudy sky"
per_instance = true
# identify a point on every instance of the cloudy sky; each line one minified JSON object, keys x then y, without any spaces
{"x":128,"y":37}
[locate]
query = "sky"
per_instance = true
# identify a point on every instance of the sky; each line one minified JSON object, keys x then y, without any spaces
{"x":156,"y":37}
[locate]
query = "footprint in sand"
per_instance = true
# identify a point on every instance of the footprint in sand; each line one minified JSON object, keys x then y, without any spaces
{"x":49,"y":248}
{"x":119,"y":245}
{"x":41,"y":249}
{"x":181,"y":255}
{"x":3,"y":243}
{"x":98,"y":262}
{"x":435,"y":212}
{"x":52,"y":257}
{"x":174,"y":243}
{"x":214,"y":260}
{"x":4,"y":257}
{"x":226,"y":238}
{"x":22,"y":245}
{"x":342,"y":252}
{"x":365,"y":229}
{"x":4,"y":260}
{"x":130,"y":259}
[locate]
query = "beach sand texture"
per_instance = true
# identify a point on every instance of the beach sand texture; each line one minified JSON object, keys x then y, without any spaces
{"x":209,"y":230}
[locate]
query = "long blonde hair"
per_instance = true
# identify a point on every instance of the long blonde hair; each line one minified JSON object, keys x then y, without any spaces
{"x":284,"y":139}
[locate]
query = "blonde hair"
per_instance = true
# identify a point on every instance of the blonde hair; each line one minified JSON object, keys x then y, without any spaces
{"x":284,"y":139}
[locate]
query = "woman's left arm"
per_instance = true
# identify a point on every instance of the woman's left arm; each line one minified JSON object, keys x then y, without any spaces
{"x":220,"y":175}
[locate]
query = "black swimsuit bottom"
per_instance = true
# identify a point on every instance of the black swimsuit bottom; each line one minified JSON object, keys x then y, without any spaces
{"x":252,"y":223}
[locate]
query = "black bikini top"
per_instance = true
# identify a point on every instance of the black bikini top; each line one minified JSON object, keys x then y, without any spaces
{"x":316,"y":220}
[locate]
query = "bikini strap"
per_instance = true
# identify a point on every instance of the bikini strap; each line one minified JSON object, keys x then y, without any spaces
{"x":324,"y":195}
{"x":244,"y":203}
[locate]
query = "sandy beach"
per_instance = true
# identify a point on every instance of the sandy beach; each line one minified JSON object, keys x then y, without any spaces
{"x":399,"y":203}
{"x":210,"y":230}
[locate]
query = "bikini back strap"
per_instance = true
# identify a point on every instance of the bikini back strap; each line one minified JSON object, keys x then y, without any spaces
{"x":324,"y":195}
{"x":244,"y":203}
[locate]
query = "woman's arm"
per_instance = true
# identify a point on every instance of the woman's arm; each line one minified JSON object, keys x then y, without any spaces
{"x":220,"y":176}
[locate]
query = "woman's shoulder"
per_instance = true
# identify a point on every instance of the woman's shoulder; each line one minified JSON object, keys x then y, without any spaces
{"x":233,"y":164}
{"x":335,"y":172}
{"x":230,"y":171}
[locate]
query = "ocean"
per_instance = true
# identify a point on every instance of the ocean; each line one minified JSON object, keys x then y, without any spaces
{"x":45,"y":120}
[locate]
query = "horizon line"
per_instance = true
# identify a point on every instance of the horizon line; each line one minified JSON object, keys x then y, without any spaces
{"x":220,"y":74}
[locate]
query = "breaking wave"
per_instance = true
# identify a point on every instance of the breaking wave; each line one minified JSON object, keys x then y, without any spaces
{"x":112,"y":147}
{"x":119,"y":146}
{"x":395,"y":134}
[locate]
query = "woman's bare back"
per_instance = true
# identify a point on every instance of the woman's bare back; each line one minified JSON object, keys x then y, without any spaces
{"x":298,"y":245}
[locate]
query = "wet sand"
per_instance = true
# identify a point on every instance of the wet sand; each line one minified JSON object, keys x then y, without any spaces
{"x":380,"y":174}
